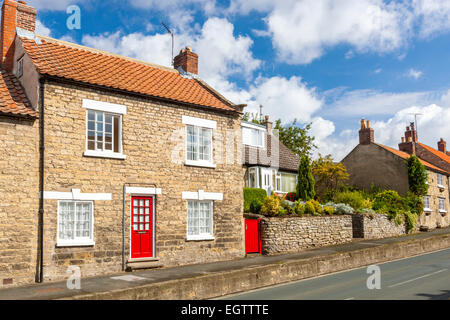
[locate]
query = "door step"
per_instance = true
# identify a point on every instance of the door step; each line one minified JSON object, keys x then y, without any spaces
{"x":143,"y":264}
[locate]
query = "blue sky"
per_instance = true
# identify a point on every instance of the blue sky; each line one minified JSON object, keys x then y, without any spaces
{"x":327,"y":62}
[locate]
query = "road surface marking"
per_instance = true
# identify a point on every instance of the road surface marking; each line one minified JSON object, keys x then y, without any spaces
{"x":352,"y":298}
{"x":424,"y":276}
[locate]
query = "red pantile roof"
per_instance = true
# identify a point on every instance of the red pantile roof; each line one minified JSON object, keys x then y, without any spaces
{"x":438,"y":153}
{"x":70,"y":61}
{"x":405,"y":155}
{"x":13,"y":100}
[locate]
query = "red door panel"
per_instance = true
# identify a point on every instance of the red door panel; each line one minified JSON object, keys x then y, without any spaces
{"x":252,"y":236}
{"x":141,"y":227}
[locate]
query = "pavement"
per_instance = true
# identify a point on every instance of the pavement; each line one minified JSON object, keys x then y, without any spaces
{"x":139,"y":279}
{"x":424,"y":277}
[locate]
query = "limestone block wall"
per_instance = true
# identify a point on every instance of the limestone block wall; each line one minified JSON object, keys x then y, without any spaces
{"x":376,"y":226}
{"x":293,"y":234}
{"x":19,"y":200}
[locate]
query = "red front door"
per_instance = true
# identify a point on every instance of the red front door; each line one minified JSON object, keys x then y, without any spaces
{"x":141,"y":227}
{"x":252,"y":236}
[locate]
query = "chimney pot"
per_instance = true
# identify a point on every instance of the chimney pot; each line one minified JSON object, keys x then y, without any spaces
{"x":366,"y":134}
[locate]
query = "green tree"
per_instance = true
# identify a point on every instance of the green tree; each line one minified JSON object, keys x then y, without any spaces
{"x":329,"y":175}
{"x":305,"y":183}
{"x":417,"y":176}
{"x":295,"y":138}
{"x":251,"y":117}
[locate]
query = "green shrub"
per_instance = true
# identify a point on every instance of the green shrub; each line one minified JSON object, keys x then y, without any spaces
{"x":251,"y":194}
{"x":413,"y":203}
{"x":410,"y":220}
{"x":255,"y":206}
{"x":317,"y":206}
{"x":354,"y":199}
{"x":329,"y":211}
{"x":300,"y":209}
{"x":271,"y":206}
{"x":309,"y":208}
{"x":388,"y":201}
{"x":288,"y":206}
{"x":366,"y":204}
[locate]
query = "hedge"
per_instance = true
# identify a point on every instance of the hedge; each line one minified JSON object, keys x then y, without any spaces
{"x":251,"y":194}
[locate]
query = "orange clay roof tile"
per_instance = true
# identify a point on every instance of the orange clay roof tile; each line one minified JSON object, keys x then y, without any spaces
{"x":405,"y":155}
{"x":441,"y":155}
{"x":70,"y":61}
{"x":13,"y":100}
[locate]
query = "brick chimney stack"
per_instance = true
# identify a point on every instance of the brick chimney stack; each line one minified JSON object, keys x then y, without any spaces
{"x":408,"y":143}
{"x":268,"y":124}
{"x":442,"y":146}
{"x":187,"y":60}
{"x":15,"y":14}
{"x":366,"y":133}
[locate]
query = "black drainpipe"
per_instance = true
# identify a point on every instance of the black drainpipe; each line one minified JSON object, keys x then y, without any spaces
{"x":40,"y":275}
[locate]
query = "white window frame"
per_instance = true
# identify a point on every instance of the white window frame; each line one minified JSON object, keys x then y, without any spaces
{"x":251,"y":132}
{"x":442,"y":200}
{"x":76,"y":242}
{"x":199,"y":124}
{"x":20,"y":67}
{"x":200,"y":237}
{"x":110,"y":109}
{"x":441,"y":182}
{"x":427,"y":208}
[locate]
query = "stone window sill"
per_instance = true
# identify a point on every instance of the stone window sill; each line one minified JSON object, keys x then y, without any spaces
{"x":75,"y":244}
{"x":107,"y":155}
{"x":204,"y":164}
{"x":200,"y":238}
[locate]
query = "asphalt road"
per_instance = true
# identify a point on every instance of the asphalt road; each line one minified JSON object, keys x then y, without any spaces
{"x":419,"y":278}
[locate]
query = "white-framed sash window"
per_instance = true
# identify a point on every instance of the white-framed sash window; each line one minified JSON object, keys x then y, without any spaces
{"x":104,"y":129}
{"x":442,"y":205}
{"x":75,"y":223}
{"x":200,"y":220}
{"x":440,"y":180}
{"x":426,"y":204}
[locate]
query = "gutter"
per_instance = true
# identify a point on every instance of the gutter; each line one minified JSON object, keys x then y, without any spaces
{"x":40,"y":274}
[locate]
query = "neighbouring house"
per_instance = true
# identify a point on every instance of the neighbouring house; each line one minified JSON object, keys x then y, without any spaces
{"x":373,"y":164}
{"x":110,"y":163}
{"x":268,"y":163}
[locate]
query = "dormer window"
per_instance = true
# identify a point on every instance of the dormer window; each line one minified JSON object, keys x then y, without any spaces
{"x":20,"y":68}
{"x":253,"y":136}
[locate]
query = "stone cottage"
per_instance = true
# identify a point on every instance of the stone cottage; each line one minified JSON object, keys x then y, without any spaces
{"x":268,"y":163}
{"x":371,"y":163}
{"x":110,"y":163}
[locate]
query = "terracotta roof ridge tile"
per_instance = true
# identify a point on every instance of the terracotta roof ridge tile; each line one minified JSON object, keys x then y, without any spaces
{"x":102,"y":52}
{"x":438,"y":153}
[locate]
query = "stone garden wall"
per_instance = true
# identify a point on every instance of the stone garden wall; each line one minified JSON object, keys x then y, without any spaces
{"x":293,"y":234}
{"x":376,"y":227}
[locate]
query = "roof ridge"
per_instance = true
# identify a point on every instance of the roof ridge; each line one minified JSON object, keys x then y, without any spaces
{"x":435,"y":150}
{"x":98,"y":51}
{"x":399,"y":153}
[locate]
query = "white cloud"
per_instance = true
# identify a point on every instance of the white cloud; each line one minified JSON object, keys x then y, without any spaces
{"x":53,"y":5}
{"x":434,"y":16}
{"x":285,"y":99}
{"x":41,"y":29}
{"x":372,"y":102}
{"x":377,"y":71}
{"x":416,"y":74}
{"x":432,"y":125}
{"x":303,"y":30}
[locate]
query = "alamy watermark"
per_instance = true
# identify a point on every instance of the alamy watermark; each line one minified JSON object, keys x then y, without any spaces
{"x":74,"y":20}
{"x":374,"y":280}
{"x":74,"y":280}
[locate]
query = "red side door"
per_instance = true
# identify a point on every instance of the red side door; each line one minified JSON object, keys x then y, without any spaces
{"x":252,"y":236}
{"x":141,"y":227}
